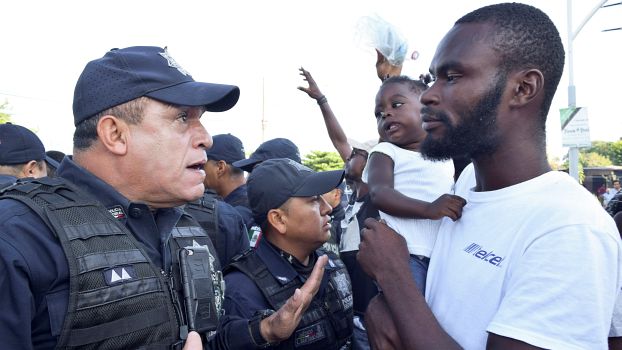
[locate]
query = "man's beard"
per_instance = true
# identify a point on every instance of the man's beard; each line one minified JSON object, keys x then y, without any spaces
{"x":475,"y":134}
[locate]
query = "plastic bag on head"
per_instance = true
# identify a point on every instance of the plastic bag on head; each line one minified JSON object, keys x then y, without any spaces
{"x":374,"y":31}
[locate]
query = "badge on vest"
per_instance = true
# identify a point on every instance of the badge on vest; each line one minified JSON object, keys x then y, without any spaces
{"x":343,"y":289}
{"x":255,"y":233}
{"x":309,"y":335}
{"x":119,"y":274}
{"x":117,"y":212}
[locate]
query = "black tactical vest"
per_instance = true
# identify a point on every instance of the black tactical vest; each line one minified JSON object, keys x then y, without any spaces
{"x":327,"y":323}
{"x":205,"y":211}
{"x":118,"y":299}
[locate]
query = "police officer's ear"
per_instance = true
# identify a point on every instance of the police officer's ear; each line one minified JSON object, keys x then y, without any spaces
{"x":113,"y":133}
{"x":278,"y":220}
{"x":33,"y":169}
{"x":221,"y":168}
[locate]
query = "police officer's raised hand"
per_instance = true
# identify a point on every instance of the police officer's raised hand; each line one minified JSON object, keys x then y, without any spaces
{"x":313,"y":90}
{"x":382,"y":251}
{"x":280,"y":325}
{"x":193,"y":342}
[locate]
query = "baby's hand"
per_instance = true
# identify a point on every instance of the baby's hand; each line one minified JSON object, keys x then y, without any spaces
{"x":448,"y":205}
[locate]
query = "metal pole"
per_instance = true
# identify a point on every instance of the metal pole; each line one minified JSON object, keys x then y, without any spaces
{"x":573,"y":152}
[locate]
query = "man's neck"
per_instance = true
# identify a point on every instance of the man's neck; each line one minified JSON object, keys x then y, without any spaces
{"x":230,"y":185}
{"x":508,"y":167}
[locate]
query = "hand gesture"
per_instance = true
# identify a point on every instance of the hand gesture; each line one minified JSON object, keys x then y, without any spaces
{"x":313,"y":90}
{"x":280,"y":325}
{"x":448,"y":205}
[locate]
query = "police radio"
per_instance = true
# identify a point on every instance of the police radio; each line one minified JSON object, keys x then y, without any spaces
{"x":198,"y":286}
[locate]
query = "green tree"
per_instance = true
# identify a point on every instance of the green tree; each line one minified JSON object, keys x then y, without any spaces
{"x":593,"y":159}
{"x":586,"y":160}
{"x":323,"y":161}
{"x":5,"y":116}
{"x":611,"y":150}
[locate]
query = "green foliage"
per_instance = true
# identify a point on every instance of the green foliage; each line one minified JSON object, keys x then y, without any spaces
{"x":593,"y":159}
{"x":611,"y":150}
{"x":587,"y":160}
{"x":323,"y":161}
{"x":5,"y":116}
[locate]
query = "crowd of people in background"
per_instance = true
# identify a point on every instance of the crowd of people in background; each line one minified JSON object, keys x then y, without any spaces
{"x":427,"y":239}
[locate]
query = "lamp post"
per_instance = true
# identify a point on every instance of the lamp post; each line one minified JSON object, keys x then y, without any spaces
{"x":573,"y":152}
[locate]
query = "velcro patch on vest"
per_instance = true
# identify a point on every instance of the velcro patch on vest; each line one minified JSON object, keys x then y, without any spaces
{"x":309,"y":335}
{"x":343,"y":288}
{"x":119,"y":274}
{"x":117,"y":212}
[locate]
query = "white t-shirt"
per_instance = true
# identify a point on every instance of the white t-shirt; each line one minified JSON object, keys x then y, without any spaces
{"x":616,"y":320}
{"x":351,"y":236}
{"x":418,"y":178}
{"x":538,"y":262}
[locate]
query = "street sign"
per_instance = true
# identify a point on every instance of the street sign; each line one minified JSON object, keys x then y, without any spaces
{"x":575,"y":127}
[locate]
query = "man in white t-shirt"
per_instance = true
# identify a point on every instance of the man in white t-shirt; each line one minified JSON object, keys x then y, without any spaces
{"x":534,"y":262}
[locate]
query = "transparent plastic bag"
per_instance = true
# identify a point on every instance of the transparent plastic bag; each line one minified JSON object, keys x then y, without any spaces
{"x":374,"y":31}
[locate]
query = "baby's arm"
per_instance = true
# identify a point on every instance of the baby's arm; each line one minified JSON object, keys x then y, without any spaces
{"x":392,"y":202}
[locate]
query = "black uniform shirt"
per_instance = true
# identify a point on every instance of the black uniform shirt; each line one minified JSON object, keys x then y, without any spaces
{"x":34,"y":275}
{"x":238,"y":199}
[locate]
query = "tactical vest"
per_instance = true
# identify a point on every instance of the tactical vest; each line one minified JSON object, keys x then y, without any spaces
{"x":207,"y":218}
{"x":118,"y":299}
{"x":327,"y":323}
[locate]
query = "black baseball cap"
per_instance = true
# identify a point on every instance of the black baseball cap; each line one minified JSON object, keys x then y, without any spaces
{"x":19,"y":145}
{"x":125,"y":74}
{"x":226,"y":147}
{"x":271,"y":149}
{"x":274,"y":181}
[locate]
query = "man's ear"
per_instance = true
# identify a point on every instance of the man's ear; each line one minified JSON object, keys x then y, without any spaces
{"x":222,"y":168}
{"x":113,"y":133}
{"x":278,"y":219}
{"x":32,"y":169}
{"x":526,"y":86}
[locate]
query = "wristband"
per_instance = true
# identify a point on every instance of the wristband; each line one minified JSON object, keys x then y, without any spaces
{"x":322,"y":100}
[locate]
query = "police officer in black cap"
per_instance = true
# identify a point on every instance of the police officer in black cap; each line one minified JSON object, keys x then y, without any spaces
{"x":21,"y":154}
{"x":271,"y":149}
{"x":287,"y":202}
{"x":224,"y":178}
{"x":103,"y":256}
{"x":225,"y":226}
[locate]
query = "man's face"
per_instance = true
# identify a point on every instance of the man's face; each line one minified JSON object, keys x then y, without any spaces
{"x":333,"y":198}
{"x":616,"y":185}
{"x":211,"y":174}
{"x":308,"y":221}
{"x":461,"y":107}
{"x":167,"y":154}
